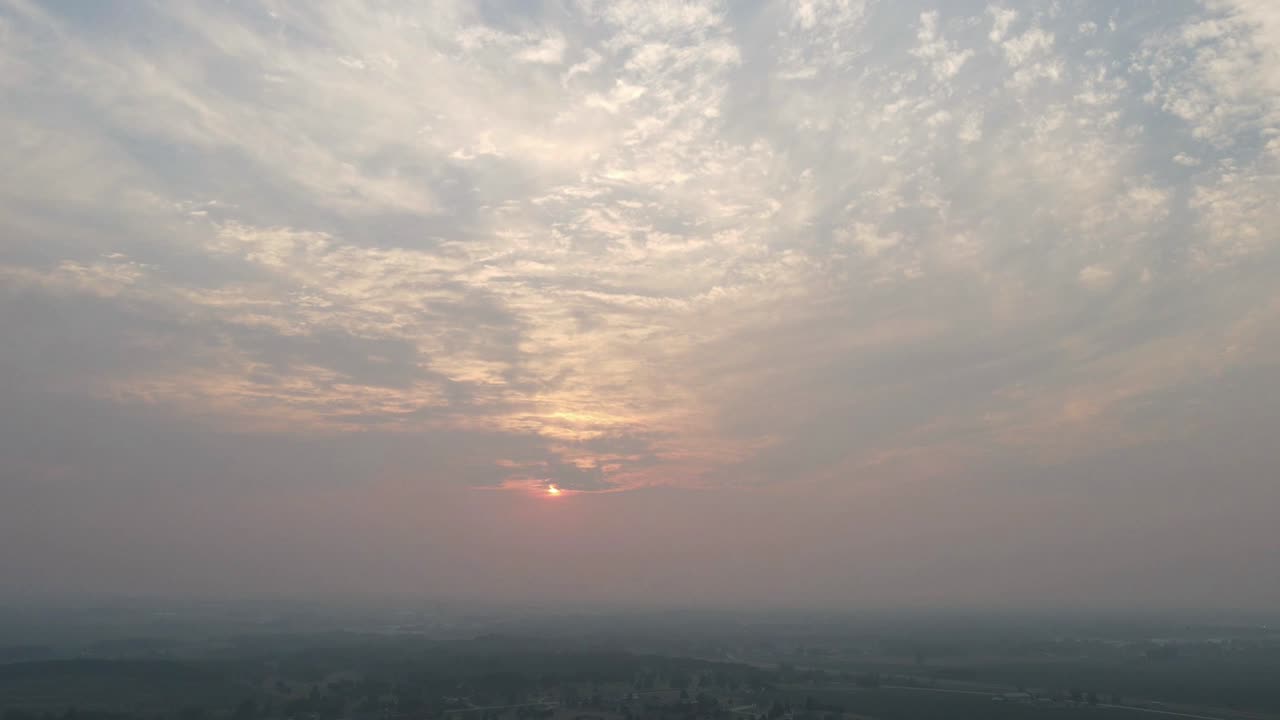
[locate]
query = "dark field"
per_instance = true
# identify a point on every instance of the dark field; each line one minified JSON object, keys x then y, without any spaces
{"x":127,"y":686}
{"x":894,"y":704}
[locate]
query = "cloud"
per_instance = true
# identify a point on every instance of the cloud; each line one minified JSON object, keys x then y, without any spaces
{"x":946,"y":60}
{"x":1095,"y":276}
{"x":1001,"y":20}
{"x":672,"y":244}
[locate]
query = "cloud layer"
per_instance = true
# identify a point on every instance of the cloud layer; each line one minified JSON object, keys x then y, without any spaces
{"x":803,"y":247}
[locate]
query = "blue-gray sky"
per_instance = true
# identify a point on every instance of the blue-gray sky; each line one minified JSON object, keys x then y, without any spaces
{"x":797,"y":303}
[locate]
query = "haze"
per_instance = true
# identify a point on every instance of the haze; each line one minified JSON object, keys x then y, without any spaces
{"x":809,"y":304}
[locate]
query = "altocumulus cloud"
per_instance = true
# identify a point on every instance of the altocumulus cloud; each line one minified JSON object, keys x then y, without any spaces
{"x":615,"y":245}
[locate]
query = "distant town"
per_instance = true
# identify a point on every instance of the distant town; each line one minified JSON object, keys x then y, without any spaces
{"x":215,"y":663}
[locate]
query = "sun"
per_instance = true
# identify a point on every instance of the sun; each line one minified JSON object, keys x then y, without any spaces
{"x":553,"y":491}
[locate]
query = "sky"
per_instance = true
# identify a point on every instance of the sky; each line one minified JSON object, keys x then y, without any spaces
{"x":794,"y":304}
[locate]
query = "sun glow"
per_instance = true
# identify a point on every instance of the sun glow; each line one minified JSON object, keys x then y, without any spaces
{"x":553,"y":491}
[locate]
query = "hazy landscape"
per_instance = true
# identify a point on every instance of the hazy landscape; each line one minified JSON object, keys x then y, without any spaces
{"x":639,"y":359}
{"x":193,"y":661}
